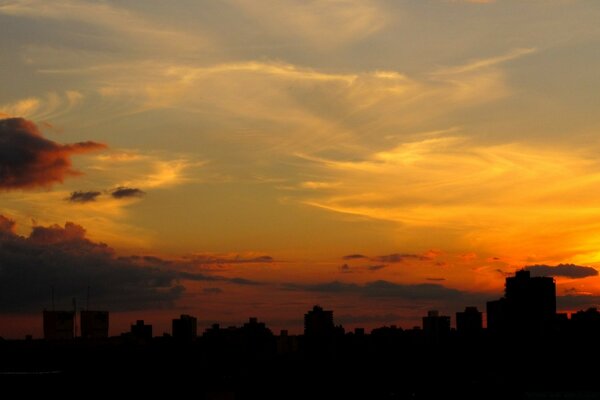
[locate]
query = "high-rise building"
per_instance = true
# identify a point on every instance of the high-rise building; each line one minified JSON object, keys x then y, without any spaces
{"x":318,"y":322}
{"x":141,"y":331}
{"x":469,"y":322}
{"x":185,"y":328}
{"x":435,"y":326}
{"x":528,"y":306}
{"x":94,"y":324}
{"x":59,"y":325}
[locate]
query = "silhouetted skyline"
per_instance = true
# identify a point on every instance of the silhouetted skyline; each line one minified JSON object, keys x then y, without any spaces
{"x":529,"y":351}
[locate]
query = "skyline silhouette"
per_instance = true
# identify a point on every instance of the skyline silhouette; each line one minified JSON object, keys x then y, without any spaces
{"x":527,"y":309}
{"x":516,"y":358}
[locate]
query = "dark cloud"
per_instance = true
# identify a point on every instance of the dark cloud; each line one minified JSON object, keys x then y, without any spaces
{"x":83,"y":197}
{"x":126,"y":192}
{"x":229,"y":259}
{"x":212,"y":290}
{"x":374,"y":268}
{"x":242,"y":281}
{"x":436,"y":279}
{"x":383,"y":289}
{"x":577,"y":302}
{"x":345,"y":269}
{"x":63,"y":257}
{"x":7,"y":225}
{"x":354,"y":257}
{"x":29,"y":160}
{"x":397,"y":257}
{"x":565,"y":270}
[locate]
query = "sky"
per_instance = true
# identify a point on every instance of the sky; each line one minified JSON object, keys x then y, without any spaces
{"x":237,"y":158}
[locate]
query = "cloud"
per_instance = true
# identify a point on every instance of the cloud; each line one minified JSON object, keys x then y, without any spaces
{"x":323,"y":23}
{"x":113,"y":20}
{"x":476,"y":65}
{"x":63,"y":257}
{"x":397,"y":257}
{"x":54,"y":104}
{"x":383,"y":289}
{"x":354,"y":257}
{"x":563,"y":270}
{"x":572,"y":302}
{"x":7,"y":225}
{"x":374,"y":268}
{"x":127,"y":192}
{"x":229,"y":259}
{"x":345,"y":269}
{"x":28,"y":160}
{"x":436,"y":279}
{"x":83,"y":197}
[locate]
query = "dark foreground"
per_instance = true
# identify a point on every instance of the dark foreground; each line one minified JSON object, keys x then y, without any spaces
{"x":347,"y":367}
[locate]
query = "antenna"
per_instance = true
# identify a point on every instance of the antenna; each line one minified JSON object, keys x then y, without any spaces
{"x":88,"y":298}
{"x":52,"y":297}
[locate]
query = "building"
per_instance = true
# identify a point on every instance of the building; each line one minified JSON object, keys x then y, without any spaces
{"x":141,"y":331}
{"x":185,"y":328}
{"x":469,"y":322}
{"x":94,"y":324}
{"x":59,"y":325}
{"x":436,"y":327}
{"x":318,"y":322}
{"x":528,"y":306}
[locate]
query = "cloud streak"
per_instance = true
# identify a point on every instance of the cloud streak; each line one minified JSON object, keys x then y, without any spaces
{"x":127,"y":192}
{"x":562,"y":270}
{"x":83,"y":197}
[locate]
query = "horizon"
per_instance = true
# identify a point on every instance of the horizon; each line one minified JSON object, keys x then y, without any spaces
{"x":238,"y":159}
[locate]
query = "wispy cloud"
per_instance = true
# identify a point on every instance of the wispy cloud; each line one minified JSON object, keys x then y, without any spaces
{"x":480,"y":64}
{"x":52,"y":105}
{"x":104,"y":15}
{"x":324,"y":23}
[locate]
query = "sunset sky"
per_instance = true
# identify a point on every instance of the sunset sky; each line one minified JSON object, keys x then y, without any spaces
{"x":237,"y":158}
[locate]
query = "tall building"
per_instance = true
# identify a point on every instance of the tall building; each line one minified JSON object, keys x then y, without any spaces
{"x":141,"y":331}
{"x":436,"y":327}
{"x":318,"y":322}
{"x":528,"y":306}
{"x":469,"y":322}
{"x":185,"y":328}
{"x":59,"y":325}
{"x":94,"y":324}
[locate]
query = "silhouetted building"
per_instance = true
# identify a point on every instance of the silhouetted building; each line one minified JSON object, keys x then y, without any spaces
{"x":141,"y":331}
{"x":185,"y":328}
{"x":528,"y":306}
{"x":59,"y":325}
{"x":94,"y":324}
{"x":436,"y":327}
{"x":469,"y":322}
{"x":318,"y":322}
{"x":286,"y":344}
{"x":586,"y":323}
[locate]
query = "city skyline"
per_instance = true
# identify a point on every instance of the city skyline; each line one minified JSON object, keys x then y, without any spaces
{"x":528,"y":307}
{"x":227,"y":159}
